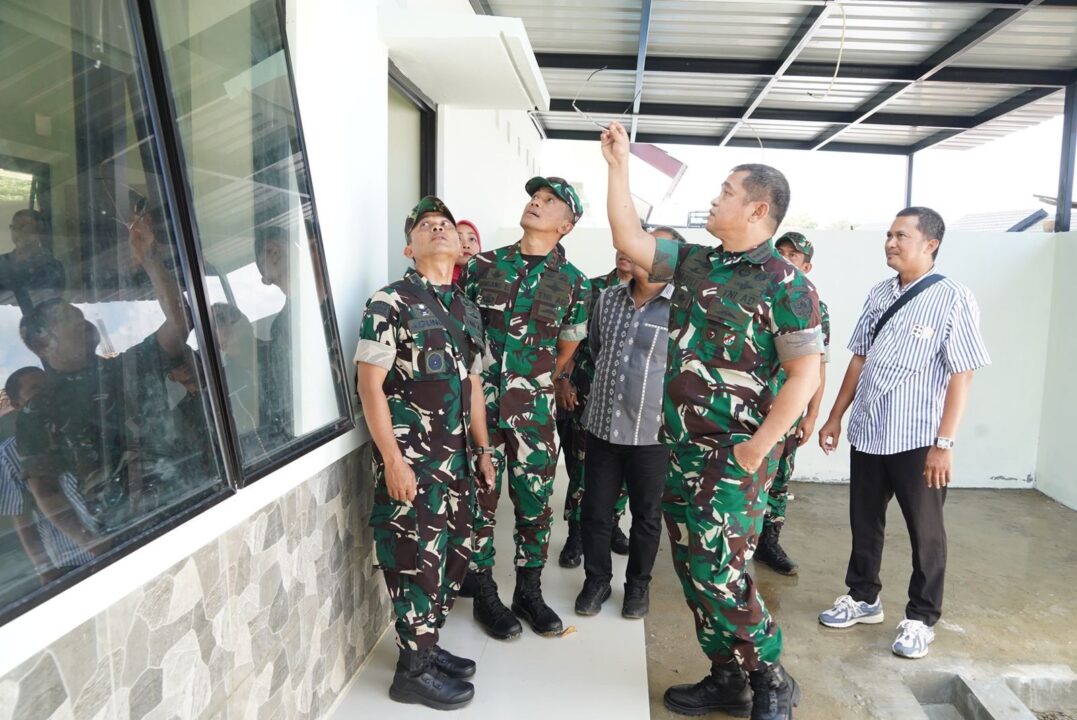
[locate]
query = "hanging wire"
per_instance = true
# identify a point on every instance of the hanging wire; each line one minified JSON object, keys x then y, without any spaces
{"x":762,"y":150}
{"x":590,"y":119}
{"x":837,"y":67}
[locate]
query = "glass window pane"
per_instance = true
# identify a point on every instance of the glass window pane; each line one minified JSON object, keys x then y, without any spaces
{"x":228,"y":76}
{"x":105,"y":429}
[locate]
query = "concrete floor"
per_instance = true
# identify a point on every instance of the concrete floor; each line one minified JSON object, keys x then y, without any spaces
{"x":1011,"y":579}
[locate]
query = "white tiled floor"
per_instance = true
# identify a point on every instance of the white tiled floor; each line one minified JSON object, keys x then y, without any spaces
{"x":599,"y":671}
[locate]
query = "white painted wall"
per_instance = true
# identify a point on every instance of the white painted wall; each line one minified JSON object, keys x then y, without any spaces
{"x":1054,"y":474}
{"x":485,"y":158}
{"x":1011,"y":276}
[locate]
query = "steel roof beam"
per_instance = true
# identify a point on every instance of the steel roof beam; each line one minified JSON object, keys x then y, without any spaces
{"x":772,"y":144}
{"x":969,"y":38}
{"x":1067,"y":162}
{"x":802,"y":69}
{"x":801,"y":115}
{"x":810,"y":24}
{"x":641,"y":60}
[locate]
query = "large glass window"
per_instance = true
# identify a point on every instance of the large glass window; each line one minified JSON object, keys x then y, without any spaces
{"x":167,"y":328}
{"x":228,"y":76}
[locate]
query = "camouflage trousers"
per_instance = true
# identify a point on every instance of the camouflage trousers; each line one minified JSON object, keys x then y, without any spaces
{"x":778,"y":496}
{"x":714,"y":513}
{"x":528,"y":456}
{"x":423,"y":548}
{"x":573,"y":437}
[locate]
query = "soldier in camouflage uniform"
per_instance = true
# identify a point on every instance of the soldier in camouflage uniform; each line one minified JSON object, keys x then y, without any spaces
{"x":533,"y":304}
{"x":739,"y":313}
{"x":799,"y":251}
{"x":573,"y":386}
{"x":419,"y":356}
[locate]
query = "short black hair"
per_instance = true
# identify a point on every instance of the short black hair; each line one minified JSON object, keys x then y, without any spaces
{"x":767,"y":183}
{"x":667,"y":230}
{"x":35,"y":215}
{"x":13,"y":385}
{"x":38,"y":322}
{"x":930,"y":223}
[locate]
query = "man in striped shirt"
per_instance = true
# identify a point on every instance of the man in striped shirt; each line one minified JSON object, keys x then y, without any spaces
{"x":907,"y":383}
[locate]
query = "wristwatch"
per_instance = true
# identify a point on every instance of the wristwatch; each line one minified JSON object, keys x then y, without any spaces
{"x":944,"y":443}
{"x":562,"y":376}
{"x":482,"y":450}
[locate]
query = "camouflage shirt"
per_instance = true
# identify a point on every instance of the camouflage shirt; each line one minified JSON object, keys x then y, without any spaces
{"x":427,"y":386}
{"x":525,"y":312}
{"x":583,"y":373}
{"x":735,"y":318}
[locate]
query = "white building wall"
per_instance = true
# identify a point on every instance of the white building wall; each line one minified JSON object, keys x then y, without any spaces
{"x":1011,"y":276}
{"x":1055,"y":475}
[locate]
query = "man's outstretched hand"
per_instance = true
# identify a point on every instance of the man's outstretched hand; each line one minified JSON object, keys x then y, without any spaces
{"x":615,"y":144}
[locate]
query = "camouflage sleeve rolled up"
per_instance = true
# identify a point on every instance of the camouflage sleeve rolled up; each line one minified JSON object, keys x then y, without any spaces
{"x":795,"y":319}
{"x":378,"y":331}
{"x":574,"y":327}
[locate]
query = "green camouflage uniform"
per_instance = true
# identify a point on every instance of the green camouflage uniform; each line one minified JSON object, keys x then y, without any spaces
{"x":778,"y":497}
{"x":583,"y":374}
{"x":525,"y":312}
{"x":423,"y":546}
{"x":734,"y":318}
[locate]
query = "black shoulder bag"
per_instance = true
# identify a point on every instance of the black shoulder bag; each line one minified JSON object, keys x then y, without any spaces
{"x":904,"y":300}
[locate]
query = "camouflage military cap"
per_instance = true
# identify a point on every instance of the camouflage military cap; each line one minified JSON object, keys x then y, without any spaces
{"x":426,"y":206}
{"x":561,"y":189}
{"x":801,"y":243}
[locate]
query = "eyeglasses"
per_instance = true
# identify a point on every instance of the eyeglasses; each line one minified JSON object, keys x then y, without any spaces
{"x":138,"y":207}
{"x":590,"y":119}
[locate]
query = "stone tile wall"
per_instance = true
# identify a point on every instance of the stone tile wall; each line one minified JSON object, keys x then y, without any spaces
{"x":268,"y":621}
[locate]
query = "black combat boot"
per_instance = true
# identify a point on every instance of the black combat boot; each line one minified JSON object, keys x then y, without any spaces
{"x":453,"y":665}
{"x":418,"y":680}
{"x":470,"y":587}
{"x":591,"y":597}
{"x":496,"y":619}
{"x":528,"y":604}
{"x":572,"y":553}
{"x":774,"y":694}
{"x":637,"y":601}
{"x":725,"y":689}
{"x":771,"y":554}
{"x":618,"y":541}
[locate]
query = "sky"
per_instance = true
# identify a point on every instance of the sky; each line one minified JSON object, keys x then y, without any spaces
{"x":835,"y":189}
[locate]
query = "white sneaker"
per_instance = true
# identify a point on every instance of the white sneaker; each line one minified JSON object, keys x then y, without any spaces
{"x":848,"y":612}
{"x":913,"y":639}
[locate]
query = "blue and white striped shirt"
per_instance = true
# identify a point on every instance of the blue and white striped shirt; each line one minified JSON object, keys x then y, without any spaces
{"x":898,"y":401}
{"x":63,"y":552}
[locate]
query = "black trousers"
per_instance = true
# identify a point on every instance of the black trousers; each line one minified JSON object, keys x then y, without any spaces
{"x":643,"y":469}
{"x":874,"y":480}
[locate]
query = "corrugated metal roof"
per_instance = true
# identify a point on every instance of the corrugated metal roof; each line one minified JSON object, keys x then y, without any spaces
{"x":721,"y":29}
{"x":1042,"y":38}
{"x":770,"y":62}
{"x":594,"y":26}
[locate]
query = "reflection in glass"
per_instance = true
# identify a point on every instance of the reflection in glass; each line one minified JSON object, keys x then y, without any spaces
{"x":105,"y":432}
{"x":228,"y":77}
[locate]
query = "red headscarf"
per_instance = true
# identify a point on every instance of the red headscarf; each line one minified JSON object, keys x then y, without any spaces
{"x":457,"y":269}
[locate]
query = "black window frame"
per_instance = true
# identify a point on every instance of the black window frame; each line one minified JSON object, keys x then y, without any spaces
{"x":165,"y":136}
{"x":428,"y":128}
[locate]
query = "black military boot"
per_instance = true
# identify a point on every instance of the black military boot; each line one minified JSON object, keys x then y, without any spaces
{"x":528,"y":604}
{"x":572,"y":553}
{"x":618,"y":541}
{"x":774,"y":694}
{"x":771,"y":554}
{"x":418,"y":680}
{"x":453,"y":665}
{"x":725,"y":689}
{"x":470,"y":587}
{"x":496,"y":619}
{"x":637,"y":601}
